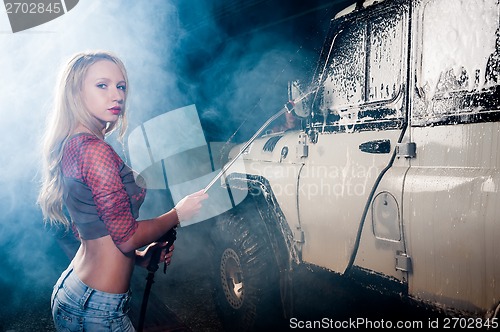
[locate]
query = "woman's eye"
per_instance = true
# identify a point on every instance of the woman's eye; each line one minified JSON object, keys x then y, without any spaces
{"x":101,"y":86}
{"x":122,"y":87}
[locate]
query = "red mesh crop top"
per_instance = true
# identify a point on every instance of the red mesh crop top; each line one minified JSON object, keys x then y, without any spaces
{"x":100,"y":191}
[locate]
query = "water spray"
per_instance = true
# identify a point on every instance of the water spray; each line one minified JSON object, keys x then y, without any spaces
{"x":287,"y":108}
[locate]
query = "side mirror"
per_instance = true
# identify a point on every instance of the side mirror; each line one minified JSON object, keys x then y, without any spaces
{"x":295,"y":92}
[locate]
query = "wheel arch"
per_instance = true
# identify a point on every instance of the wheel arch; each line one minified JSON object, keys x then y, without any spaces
{"x":273,"y":225}
{"x":262,"y":199}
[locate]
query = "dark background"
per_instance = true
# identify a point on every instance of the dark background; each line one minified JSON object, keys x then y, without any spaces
{"x":238,"y":57}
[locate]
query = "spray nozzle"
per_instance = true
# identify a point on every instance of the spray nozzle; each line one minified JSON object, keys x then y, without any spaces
{"x":290,"y":105}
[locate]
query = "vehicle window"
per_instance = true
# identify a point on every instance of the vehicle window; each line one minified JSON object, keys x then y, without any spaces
{"x":458,"y":72}
{"x":456,"y":46}
{"x":385,"y":57}
{"x":345,"y":79}
{"x":364,"y":70}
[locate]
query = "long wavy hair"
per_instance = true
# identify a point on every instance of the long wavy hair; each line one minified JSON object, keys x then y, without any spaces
{"x":69,"y":110}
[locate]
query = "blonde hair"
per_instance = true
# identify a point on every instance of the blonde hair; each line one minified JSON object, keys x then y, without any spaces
{"x":69,"y":110}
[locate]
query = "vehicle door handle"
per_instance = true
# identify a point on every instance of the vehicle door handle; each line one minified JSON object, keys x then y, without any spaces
{"x":376,"y":146}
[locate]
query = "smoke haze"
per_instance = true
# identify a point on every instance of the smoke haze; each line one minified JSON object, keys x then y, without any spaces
{"x":143,"y":36}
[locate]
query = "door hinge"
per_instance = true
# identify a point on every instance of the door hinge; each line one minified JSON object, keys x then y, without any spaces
{"x":403,"y":262}
{"x":302,"y":147}
{"x":298,"y":235}
{"x":406,"y":150}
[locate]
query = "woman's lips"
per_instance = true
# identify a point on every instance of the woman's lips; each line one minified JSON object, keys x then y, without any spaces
{"x":115,"y":110}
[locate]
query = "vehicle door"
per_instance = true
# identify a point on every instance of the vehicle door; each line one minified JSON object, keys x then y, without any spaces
{"x":358,"y":118}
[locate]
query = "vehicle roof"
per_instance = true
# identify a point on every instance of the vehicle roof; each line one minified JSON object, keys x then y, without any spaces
{"x":352,"y":7}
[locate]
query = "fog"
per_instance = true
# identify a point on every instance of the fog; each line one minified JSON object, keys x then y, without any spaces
{"x":175,"y":54}
{"x":29,"y":62}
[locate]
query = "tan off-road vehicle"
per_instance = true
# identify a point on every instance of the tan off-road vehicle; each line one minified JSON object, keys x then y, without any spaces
{"x":393,"y":174}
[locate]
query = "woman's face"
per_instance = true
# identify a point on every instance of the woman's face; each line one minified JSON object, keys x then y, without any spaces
{"x":103,"y":91}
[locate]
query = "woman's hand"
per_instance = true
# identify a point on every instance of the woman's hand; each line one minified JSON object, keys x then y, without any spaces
{"x":190,"y":205}
{"x":143,"y":257}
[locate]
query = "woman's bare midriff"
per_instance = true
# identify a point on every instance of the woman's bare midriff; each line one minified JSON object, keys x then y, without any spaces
{"x":102,"y":266}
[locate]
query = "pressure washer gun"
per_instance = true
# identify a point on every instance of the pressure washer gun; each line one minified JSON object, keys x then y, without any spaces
{"x":168,"y":237}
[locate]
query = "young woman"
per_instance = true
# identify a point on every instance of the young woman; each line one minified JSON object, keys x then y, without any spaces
{"x":84,"y":174}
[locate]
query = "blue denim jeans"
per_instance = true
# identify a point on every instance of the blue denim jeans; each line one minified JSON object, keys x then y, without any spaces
{"x":77,"y":307}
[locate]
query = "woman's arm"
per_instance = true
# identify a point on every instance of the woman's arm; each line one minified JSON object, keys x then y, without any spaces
{"x":101,"y":172}
{"x":150,"y":230}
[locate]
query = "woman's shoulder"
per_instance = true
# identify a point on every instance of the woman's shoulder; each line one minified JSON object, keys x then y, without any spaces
{"x":86,"y":140}
{"x":89,"y":146}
